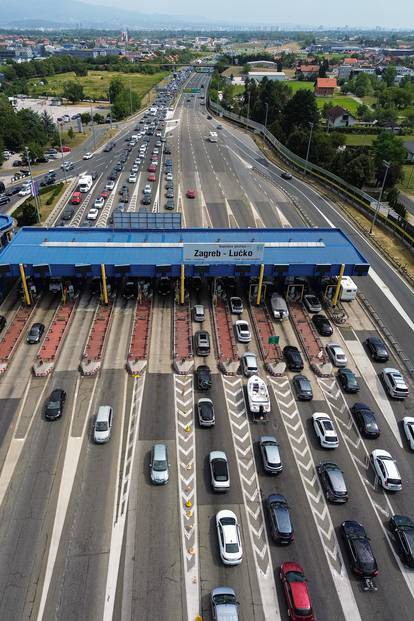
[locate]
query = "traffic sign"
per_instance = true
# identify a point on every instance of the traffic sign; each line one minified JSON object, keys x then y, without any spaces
{"x":273,"y":340}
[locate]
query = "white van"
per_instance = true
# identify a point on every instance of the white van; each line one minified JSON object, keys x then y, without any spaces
{"x":103,"y":424}
{"x":349,"y":289}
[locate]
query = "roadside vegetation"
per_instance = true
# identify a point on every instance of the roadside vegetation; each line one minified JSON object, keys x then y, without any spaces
{"x":26,"y":213}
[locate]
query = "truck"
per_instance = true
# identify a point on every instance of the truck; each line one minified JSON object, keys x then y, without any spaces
{"x":85,"y":183}
{"x":212,"y":137}
{"x":279,"y":307}
{"x":258,"y":398}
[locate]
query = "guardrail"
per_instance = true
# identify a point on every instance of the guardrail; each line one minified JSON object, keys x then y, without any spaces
{"x":358,"y":198}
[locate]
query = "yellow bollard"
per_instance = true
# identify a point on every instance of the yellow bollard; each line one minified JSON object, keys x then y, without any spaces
{"x":259,"y":288}
{"x":182,"y":282}
{"x":104,"y":289}
{"x":338,"y":286}
{"x":24,"y":283}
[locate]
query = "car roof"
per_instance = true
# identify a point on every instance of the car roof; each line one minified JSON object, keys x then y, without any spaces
{"x":267,"y":439}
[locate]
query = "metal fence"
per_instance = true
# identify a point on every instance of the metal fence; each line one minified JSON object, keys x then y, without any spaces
{"x":361,"y":200}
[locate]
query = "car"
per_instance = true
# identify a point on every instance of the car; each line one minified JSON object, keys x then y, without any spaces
{"x":408,"y":426}
{"x":169,"y":185}
{"x":159,"y":466}
{"x":169,"y":176}
{"x":155,"y":152}
{"x":242,"y":331}
{"x":302,"y":388}
{"x":68,"y":213}
{"x":66,"y":149}
{"x":191,"y":193}
{"x":347,"y":380}
{"x":35,"y":333}
{"x":102,"y":428}
{"x":158,"y":143}
{"x":169,"y":194}
{"x":147,"y":189}
{"x":332,"y":482}
{"x":336,"y":355}
{"x":135,"y":168}
{"x":248,"y":363}
{"x":236,"y":305}
{"x":394,"y":383}
{"x":386,"y":470}
{"x":92,"y":214}
{"x":105,"y":194}
{"x":228,"y":534}
{"x":269,"y":451}
{"x":76,"y":198}
{"x":25,"y":191}
{"x":202,"y":343}
{"x":209,"y":117}
{"x":4,"y":199}
{"x":295,"y":588}
{"x":67,"y":166}
{"x":281,"y":528}
{"x":152,"y":168}
{"x":205,"y":411}
{"x":312,"y":303}
{"x":219,"y":126}
{"x":365,"y":420}
{"x":203,"y":377}
{"x":322,"y":324}
{"x":146,"y":199}
{"x":224,"y":605}
{"x":286,"y":175}
{"x":2,"y":322}
{"x":402,"y":527}
{"x":167,"y":150}
{"x":219,"y":471}
{"x":358,"y":547}
{"x":55,"y":404}
{"x":199,"y":313}
{"x":112,"y":176}
{"x":99,"y":202}
{"x":293,"y":358}
{"x":88,"y":156}
{"x":377,"y":349}
{"x":151,"y":177}
{"x":169,"y":204}
{"x":119,"y":166}
{"x":132,"y":178}
{"x":325,"y":431}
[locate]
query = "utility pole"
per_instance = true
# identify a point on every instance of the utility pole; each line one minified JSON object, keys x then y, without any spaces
{"x":309,"y":144}
{"x":376,"y":212}
{"x":93,"y":131}
{"x":33,"y":186}
{"x":61,"y":151}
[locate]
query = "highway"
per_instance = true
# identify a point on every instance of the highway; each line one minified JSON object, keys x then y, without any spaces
{"x":84,"y":534}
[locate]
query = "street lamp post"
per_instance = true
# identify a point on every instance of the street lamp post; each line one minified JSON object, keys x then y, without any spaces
{"x":61,"y":151}
{"x":376,"y":212}
{"x":93,"y":130}
{"x":308,"y":149}
{"x":34,"y":189}
{"x":248,"y":106}
{"x":130,"y":96}
{"x":267,"y":112}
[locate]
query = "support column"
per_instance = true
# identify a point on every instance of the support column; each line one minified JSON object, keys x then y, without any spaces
{"x":259,"y":288}
{"x":25,"y":288}
{"x":338,"y":286}
{"x":182,"y":283}
{"x":104,"y":289}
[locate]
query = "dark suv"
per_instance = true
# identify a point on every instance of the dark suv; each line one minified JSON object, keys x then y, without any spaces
{"x":279,"y":519}
{"x":203,"y":377}
{"x":332,"y":481}
{"x":363,"y":561}
{"x":55,"y":404}
{"x":293,"y":358}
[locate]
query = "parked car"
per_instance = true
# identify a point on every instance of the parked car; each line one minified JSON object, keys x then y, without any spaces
{"x":394,"y":383}
{"x":159,"y":466}
{"x":336,"y":355}
{"x":281,"y":528}
{"x":55,"y":404}
{"x":402,"y":527}
{"x":35,"y":333}
{"x":386,"y":470}
{"x":236,"y":305}
{"x":332,"y":482}
{"x":358,"y":546}
{"x":242,"y":331}
{"x":312,"y":303}
{"x":293,"y":358}
{"x":205,"y":412}
{"x":365,"y":420}
{"x":269,"y":450}
{"x":377,"y":349}
{"x":322,"y":324}
{"x":347,"y":380}
{"x":219,"y":471}
{"x":302,"y":388}
{"x":296,"y":592}
{"x":324,"y":430}
{"x":203,"y":377}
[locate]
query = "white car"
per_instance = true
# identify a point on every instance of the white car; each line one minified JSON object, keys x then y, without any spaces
{"x":137,"y":161}
{"x":236,"y":305}
{"x":386,"y":470}
{"x":132,"y":178}
{"x":155,"y":152}
{"x":219,"y":471}
{"x":25,"y":191}
{"x":243,"y":331}
{"x":394,"y":383}
{"x":158,"y":134}
{"x":147,"y":189}
{"x":336,"y":355}
{"x":325,"y":431}
{"x":88,"y":156}
{"x":92,"y":214}
{"x":312,"y":303}
{"x":110,"y":185}
{"x":249,"y":364}
{"x":228,"y":534}
{"x":169,"y":176}
{"x":135,"y":168}
{"x":99,"y":202}
{"x":408,"y":423}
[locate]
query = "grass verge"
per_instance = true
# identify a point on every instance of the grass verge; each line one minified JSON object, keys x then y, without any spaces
{"x":44,"y":208}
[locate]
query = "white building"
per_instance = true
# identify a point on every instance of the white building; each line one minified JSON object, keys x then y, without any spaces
{"x":270,"y":75}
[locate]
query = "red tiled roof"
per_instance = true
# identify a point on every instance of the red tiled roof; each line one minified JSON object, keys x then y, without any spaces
{"x":309,"y":68}
{"x":350,"y":61}
{"x":326,"y":83}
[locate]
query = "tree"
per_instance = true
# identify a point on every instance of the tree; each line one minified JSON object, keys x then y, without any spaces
{"x":29,"y":215}
{"x":35,"y":151}
{"x":115,"y":88}
{"x":300,"y":111}
{"x":73,"y":91}
{"x":98,"y":118}
{"x":389,"y":74}
{"x":71,"y":133}
{"x":390,"y":148}
{"x":48,"y":123}
{"x":85,"y":118}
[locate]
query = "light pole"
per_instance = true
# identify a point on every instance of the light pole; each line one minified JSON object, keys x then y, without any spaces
{"x":376,"y":212}
{"x":93,"y":130}
{"x":61,"y":152}
{"x":248,"y":107}
{"x":308,"y":149}
{"x":130,"y":96}
{"x":34,"y":188}
{"x":267,"y":112}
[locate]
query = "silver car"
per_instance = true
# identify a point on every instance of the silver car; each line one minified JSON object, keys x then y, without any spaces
{"x":249,"y":364}
{"x":269,"y":449}
{"x":219,"y":471}
{"x":224,"y":604}
{"x":159,"y":466}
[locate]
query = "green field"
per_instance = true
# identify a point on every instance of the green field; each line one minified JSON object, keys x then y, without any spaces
{"x":408,"y":171}
{"x":96,"y":83}
{"x":238,"y":89}
{"x":349,"y":103}
{"x":364,"y":140}
{"x":296,"y":85}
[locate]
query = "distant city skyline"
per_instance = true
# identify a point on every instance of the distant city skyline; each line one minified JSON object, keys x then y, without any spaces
{"x":353,"y":13}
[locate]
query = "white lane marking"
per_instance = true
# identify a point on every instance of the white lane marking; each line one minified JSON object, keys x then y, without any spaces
{"x":122,"y":495}
{"x":70,"y":465}
{"x":17,"y":444}
{"x":134,"y":198}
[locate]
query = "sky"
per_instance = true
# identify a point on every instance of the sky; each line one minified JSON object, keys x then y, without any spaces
{"x":365,"y":13}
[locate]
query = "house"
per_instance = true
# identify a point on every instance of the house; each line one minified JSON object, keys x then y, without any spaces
{"x":409,"y":146}
{"x":325,"y":87}
{"x":339,"y":117}
{"x":307,"y":72}
{"x":350,"y":61}
{"x":270,"y":75}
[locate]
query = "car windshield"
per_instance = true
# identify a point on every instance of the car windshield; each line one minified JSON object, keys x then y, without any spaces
{"x":295,"y":576}
{"x":159,"y":465}
{"x":224,"y":598}
{"x":101,"y":426}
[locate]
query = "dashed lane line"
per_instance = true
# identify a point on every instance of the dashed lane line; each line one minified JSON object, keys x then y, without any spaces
{"x":316,"y":499}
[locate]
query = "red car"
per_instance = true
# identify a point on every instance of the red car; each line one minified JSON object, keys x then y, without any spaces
{"x":66,"y":149}
{"x":76,"y":198}
{"x":152,"y":168}
{"x":296,"y":592}
{"x":191,"y":193}
{"x":105,"y":194}
{"x":152,"y":177}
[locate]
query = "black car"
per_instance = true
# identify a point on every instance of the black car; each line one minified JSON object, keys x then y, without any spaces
{"x":170,"y":194}
{"x":146,"y":199}
{"x":169,"y":185}
{"x":209,"y":117}
{"x":119,"y":166}
{"x":2,"y":322}
{"x":365,"y":420}
{"x":332,"y":481}
{"x":359,"y":549}
{"x":124,"y":158}
{"x":169,"y":204}
{"x":281,"y":527}
{"x":68,"y":213}
{"x":377,"y":349}
{"x":203,"y":377}
{"x":94,"y":175}
{"x":402,"y":528}
{"x":167,"y":150}
{"x":205,"y":411}
{"x":347,"y":380}
{"x":55,"y":404}
{"x":35,"y":333}
{"x":322,"y":324}
{"x":14,"y":190}
{"x":293,"y":358}
{"x":286,"y":175}
{"x":112,"y":176}
{"x":4,"y":199}
{"x":302,"y":388}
